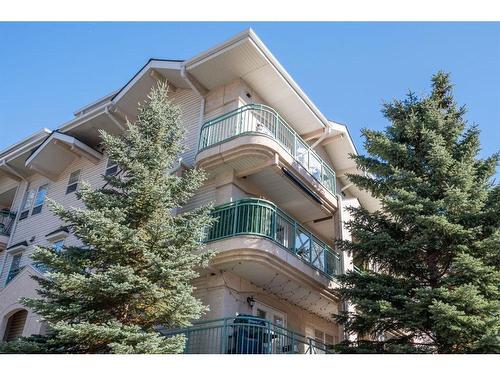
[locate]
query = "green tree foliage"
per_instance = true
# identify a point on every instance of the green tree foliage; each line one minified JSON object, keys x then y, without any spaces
{"x":132,"y":272}
{"x":434,"y":246}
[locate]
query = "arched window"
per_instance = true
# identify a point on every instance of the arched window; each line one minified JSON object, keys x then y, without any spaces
{"x":15,"y":325}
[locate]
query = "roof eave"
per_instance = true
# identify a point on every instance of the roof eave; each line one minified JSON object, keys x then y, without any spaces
{"x":24,"y":145}
{"x":250,"y":34}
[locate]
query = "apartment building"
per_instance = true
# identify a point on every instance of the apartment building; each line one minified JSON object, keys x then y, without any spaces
{"x":276,"y":175}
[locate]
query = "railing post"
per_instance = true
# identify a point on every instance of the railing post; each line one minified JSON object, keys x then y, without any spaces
{"x":187,"y":342}
{"x":325,"y":259}
{"x":269,"y":339}
{"x":224,"y":337}
{"x":294,"y":238}
{"x":277,"y":123}
{"x":235,"y":217}
{"x":310,"y":248}
{"x":209,"y":133}
{"x":274,"y":223}
{"x":310,"y":345}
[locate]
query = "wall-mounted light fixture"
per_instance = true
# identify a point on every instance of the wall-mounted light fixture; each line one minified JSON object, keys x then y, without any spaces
{"x":250,"y":301}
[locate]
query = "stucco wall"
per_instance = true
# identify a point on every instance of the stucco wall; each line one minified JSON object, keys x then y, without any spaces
{"x":22,"y":286}
{"x":226,"y":295}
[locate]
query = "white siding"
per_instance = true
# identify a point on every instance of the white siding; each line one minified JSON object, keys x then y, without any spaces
{"x":190,"y":105}
{"x":37,"y":226}
{"x":205,"y":195}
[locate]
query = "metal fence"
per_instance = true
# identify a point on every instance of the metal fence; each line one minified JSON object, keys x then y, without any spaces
{"x":261,"y":119}
{"x":246,"y":334}
{"x":263,"y":218}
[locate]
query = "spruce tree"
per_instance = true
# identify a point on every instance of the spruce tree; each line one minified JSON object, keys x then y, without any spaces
{"x":434,"y":247}
{"x":132,"y":272}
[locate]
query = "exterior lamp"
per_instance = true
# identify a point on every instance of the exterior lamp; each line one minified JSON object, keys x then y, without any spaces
{"x":250,"y":301}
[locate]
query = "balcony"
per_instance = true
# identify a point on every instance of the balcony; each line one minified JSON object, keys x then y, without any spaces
{"x":6,"y":221}
{"x":262,"y":218}
{"x":254,"y":137}
{"x":246,"y":334}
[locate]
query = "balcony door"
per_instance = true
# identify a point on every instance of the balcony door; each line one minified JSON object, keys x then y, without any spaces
{"x":266,"y":312}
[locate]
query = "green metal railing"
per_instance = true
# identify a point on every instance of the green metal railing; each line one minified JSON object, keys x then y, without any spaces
{"x":264,"y":120}
{"x":262,"y":218}
{"x":357,"y":270}
{"x":6,"y":220}
{"x":245,"y":334}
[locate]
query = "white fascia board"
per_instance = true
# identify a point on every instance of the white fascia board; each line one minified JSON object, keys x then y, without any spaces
{"x":87,"y":151}
{"x":165,"y":64}
{"x":216,"y":50}
{"x":79,"y":111}
{"x":288,"y":78}
{"x":16,"y":249}
{"x":344,"y":130}
{"x":261,"y":47}
{"x":117,"y":95}
{"x":67,"y":126}
{"x":24,"y":145}
{"x":60,"y":235}
{"x":151,"y":64}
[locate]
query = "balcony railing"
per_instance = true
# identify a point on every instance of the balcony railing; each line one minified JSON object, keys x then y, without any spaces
{"x":6,"y":220}
{"x":262,"y":218}
{"x":246,"y":334}
{"x":264,"y":120}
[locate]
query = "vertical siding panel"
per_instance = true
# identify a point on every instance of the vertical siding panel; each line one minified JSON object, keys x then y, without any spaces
{"x":190,"y":105}
{"x":205,"y":195}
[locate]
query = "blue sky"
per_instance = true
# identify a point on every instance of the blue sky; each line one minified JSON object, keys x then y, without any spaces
{"x":47,"y":70}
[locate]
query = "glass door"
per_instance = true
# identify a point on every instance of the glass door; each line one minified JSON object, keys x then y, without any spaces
{"x":275,"y":338}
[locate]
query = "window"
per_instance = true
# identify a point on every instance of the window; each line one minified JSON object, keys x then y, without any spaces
{"x":111,"y":168}
{"x":324,"y":341}
{"x":15,"y":325}
{"x":265,"y":312}
{"x":28,"y":200}
{"x":15,"y":267}
{"x":74,"y":178}
{"x":39,"y":199}
{"x":58,"y":246}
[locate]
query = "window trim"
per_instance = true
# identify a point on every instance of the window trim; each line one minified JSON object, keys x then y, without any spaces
{"x":26,"y":207}
{"x":59,"y":234}
{"x":54,"y":242}
{"x":11,"y":275}
{"x":258,"y":305}
{"x":322,"y":340}
{"x":39,"y":206}
{"x":74,"y":183}
{"x":16,"y":249}
{"x":111,"y":164}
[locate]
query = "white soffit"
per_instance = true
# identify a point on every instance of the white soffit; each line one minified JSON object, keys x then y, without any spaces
{"x":365,"y":198}
{"x":58,"y":151}
{"x":338,"y":148}
{"x":12,"y":159}
{"x":26,"y":144}
{"x":246,"y":57}
{"x":137,"y":89}
{"x":86,"y":127}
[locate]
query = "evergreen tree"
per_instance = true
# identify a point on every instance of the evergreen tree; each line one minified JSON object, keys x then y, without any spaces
{"x":434,"y":246}
{"x":132,"y":273}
